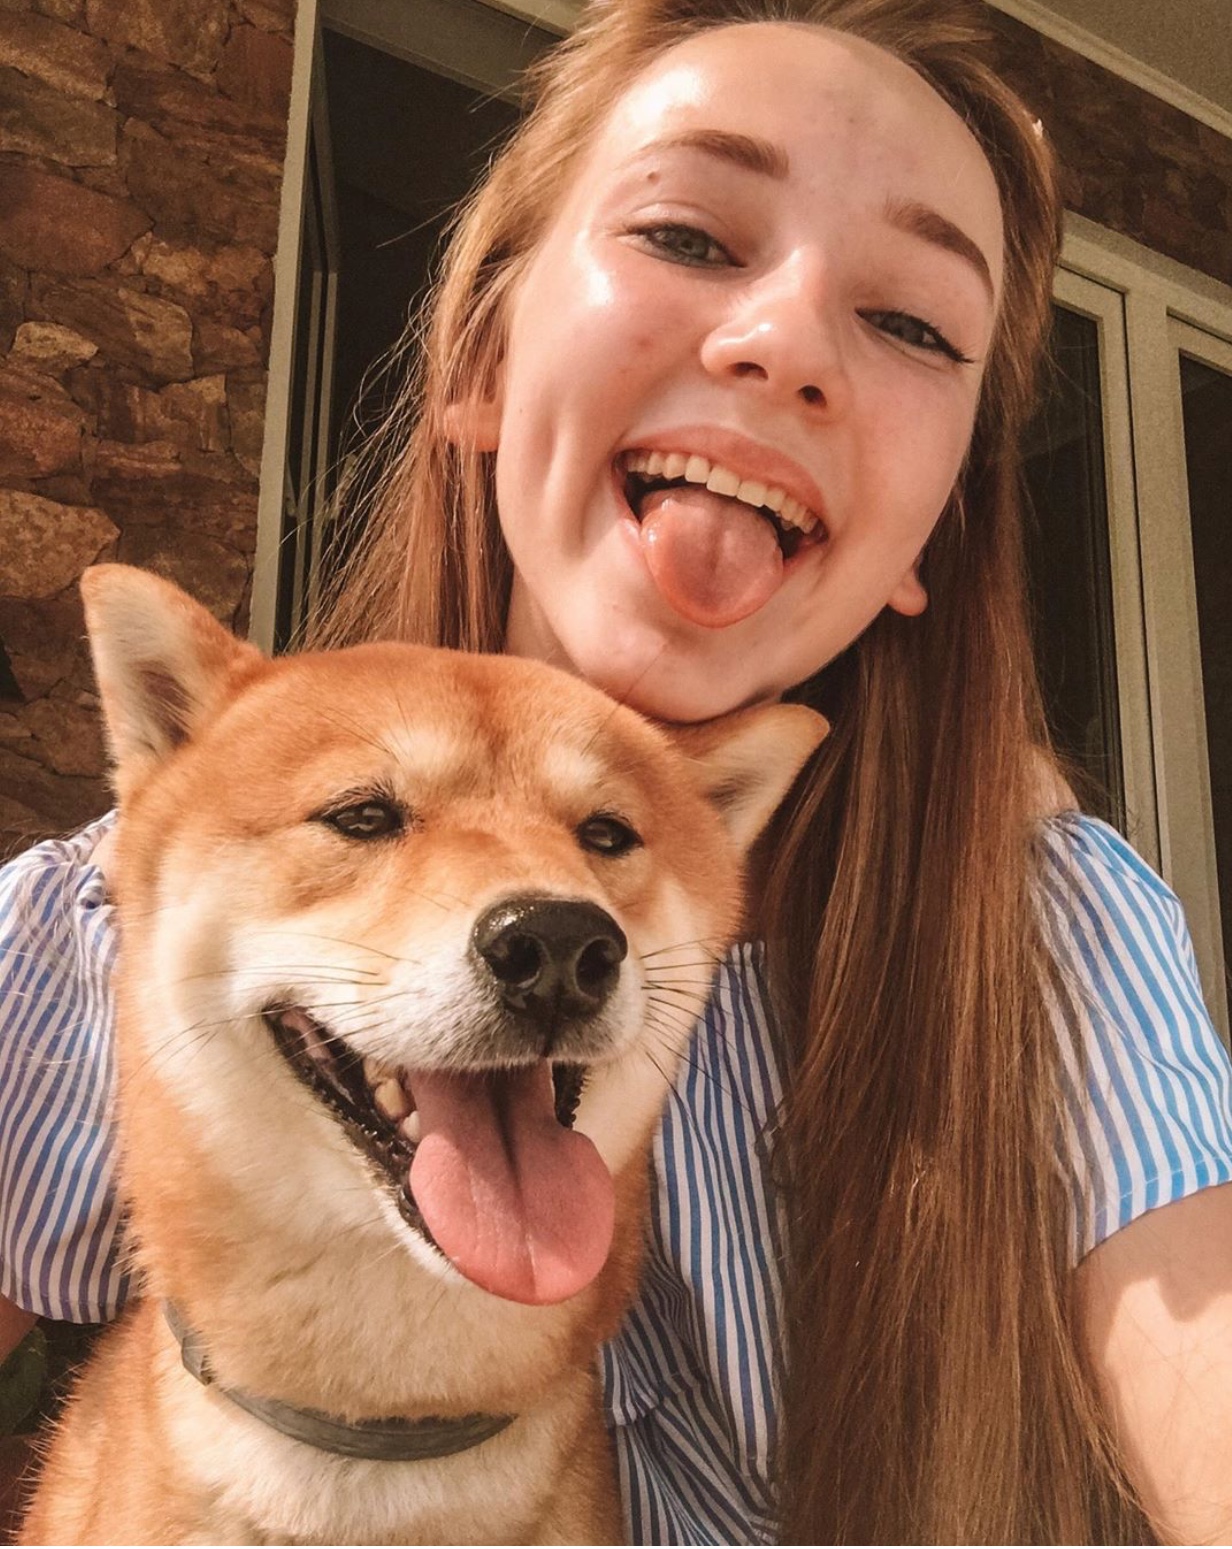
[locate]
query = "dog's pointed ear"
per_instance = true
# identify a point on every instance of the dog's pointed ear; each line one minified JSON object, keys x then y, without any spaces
{"x":749,"y":761}
{"x":162,"y":662}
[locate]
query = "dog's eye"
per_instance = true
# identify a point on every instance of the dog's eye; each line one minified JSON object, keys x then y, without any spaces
{"x":607,"y":835}
{"x":365,"y":819}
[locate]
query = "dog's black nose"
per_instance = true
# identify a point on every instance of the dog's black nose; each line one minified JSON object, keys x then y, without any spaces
{"x":551,"y":957}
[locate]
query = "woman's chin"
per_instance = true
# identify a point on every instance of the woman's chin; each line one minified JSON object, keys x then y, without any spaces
{"x":664,"y":689}
{"x":664,"y":667}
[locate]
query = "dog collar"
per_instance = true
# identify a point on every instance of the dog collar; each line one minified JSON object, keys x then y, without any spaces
{"x":386,"y":1441}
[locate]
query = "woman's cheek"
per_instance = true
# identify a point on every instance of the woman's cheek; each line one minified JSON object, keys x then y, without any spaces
{"x":932,"y":437}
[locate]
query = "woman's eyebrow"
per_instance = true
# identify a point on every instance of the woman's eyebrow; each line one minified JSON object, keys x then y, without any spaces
{"x":920,"y":220}
{"x":754,"y":154}
{"x":741,"y":150}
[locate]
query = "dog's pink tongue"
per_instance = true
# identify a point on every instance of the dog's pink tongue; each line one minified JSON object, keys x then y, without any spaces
{"x":713,"y":559}
{"x":519,"y":1204}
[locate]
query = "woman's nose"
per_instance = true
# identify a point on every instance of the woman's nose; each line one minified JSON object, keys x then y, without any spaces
{"x":780,"y":332}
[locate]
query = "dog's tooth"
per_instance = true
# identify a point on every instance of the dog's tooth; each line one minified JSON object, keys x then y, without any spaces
{"x":775,"y":498}
{"x":697,"y":470}
{"x":373,"y":1073}
{"x":654,"y":463}
{"x":314,"y":1045}
{"x":391,"y":1099}
{"x":410,"y":1127}
{"x":752,"y":493}
{"x":635,"y":462}
{"x":674,"y":465}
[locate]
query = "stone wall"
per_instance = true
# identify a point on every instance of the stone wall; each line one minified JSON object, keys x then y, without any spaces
{"x":141,"y":150}
{"x":1132,"y":162}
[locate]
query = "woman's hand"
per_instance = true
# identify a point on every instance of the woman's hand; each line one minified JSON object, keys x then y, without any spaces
{"x":1155,"y":1301}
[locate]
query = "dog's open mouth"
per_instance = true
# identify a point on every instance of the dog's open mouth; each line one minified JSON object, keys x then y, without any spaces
{"x":485,"y":1165}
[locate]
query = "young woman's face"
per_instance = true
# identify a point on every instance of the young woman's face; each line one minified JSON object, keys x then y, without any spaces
{"x":782,"y":260}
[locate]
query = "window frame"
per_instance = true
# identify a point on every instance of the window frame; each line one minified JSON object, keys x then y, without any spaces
{"x":1148,"y":308}
{"x":474,"y":42}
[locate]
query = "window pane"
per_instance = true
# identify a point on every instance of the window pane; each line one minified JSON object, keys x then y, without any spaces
{"x":1069,"y":569}
{"x":1206,"y":397}
{"x":407,"y":144}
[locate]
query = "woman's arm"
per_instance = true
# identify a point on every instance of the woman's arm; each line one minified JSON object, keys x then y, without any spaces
{"x":1147,"y":1088}
{"x":1155,"y":1302}
{"x":59,"y":1216}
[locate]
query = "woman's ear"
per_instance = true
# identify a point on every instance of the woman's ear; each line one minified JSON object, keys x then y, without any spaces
{"x":909,"y":596}
{"x":474,"y":423}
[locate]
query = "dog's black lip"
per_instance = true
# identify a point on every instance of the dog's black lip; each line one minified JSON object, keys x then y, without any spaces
{"x":346,"y":1096}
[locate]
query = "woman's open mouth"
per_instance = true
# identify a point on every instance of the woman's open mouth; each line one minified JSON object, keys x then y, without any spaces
{"x":648,"y":473}
{"x":717,"y":547}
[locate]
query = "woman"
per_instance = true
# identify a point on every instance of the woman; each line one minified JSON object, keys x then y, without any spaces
{"x":818,"y":263}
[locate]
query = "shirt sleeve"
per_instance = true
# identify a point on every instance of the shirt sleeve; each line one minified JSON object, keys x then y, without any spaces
{"x":690,"y":1379}
{"x":59,"y":1217}
{"x":1147,"y":1084}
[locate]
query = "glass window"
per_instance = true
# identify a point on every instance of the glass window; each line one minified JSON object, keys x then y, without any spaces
{"x":1206,"y":401}
{"x":1068,"y":566}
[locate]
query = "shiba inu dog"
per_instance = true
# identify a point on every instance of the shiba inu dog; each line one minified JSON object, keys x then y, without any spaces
{"x":412,"y":942}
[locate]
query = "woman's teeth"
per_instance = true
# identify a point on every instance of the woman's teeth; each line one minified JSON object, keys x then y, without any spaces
{"x":699,"y":470}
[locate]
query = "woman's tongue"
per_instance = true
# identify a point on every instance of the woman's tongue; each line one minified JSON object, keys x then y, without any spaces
{"x":714,"y":560}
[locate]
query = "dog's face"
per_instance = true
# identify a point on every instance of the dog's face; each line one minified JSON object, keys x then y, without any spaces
{"x":415,"y":939}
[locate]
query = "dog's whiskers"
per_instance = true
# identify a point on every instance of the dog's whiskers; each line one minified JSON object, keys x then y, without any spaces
{"x":682,"y":985}
{"x":307,"y":973}
{"x":712,"y":949}
{"x":359,"y":946}
{"x":691,"y":1062}
{"x":695,"y":1060}
{"x":668,"y":1013}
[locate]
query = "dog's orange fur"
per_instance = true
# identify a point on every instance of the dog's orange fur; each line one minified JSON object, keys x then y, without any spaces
{"x":249,"y":1207}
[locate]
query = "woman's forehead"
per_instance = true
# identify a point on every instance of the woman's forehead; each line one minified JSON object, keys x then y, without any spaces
{"x":828,"y":103}
{"x":794,"y":64}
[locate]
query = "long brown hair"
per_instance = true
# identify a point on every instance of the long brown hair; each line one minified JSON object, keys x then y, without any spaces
{"x":932,"y":1387}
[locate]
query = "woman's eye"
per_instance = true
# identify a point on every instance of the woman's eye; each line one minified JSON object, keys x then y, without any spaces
{"x":917,"y":333}
{"x":685,"y":244}
{"x":365,"y":819}
{"x":604,"y":834}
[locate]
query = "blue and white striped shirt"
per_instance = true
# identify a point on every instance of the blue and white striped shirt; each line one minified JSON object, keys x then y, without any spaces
{"x":689,"y":1382}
